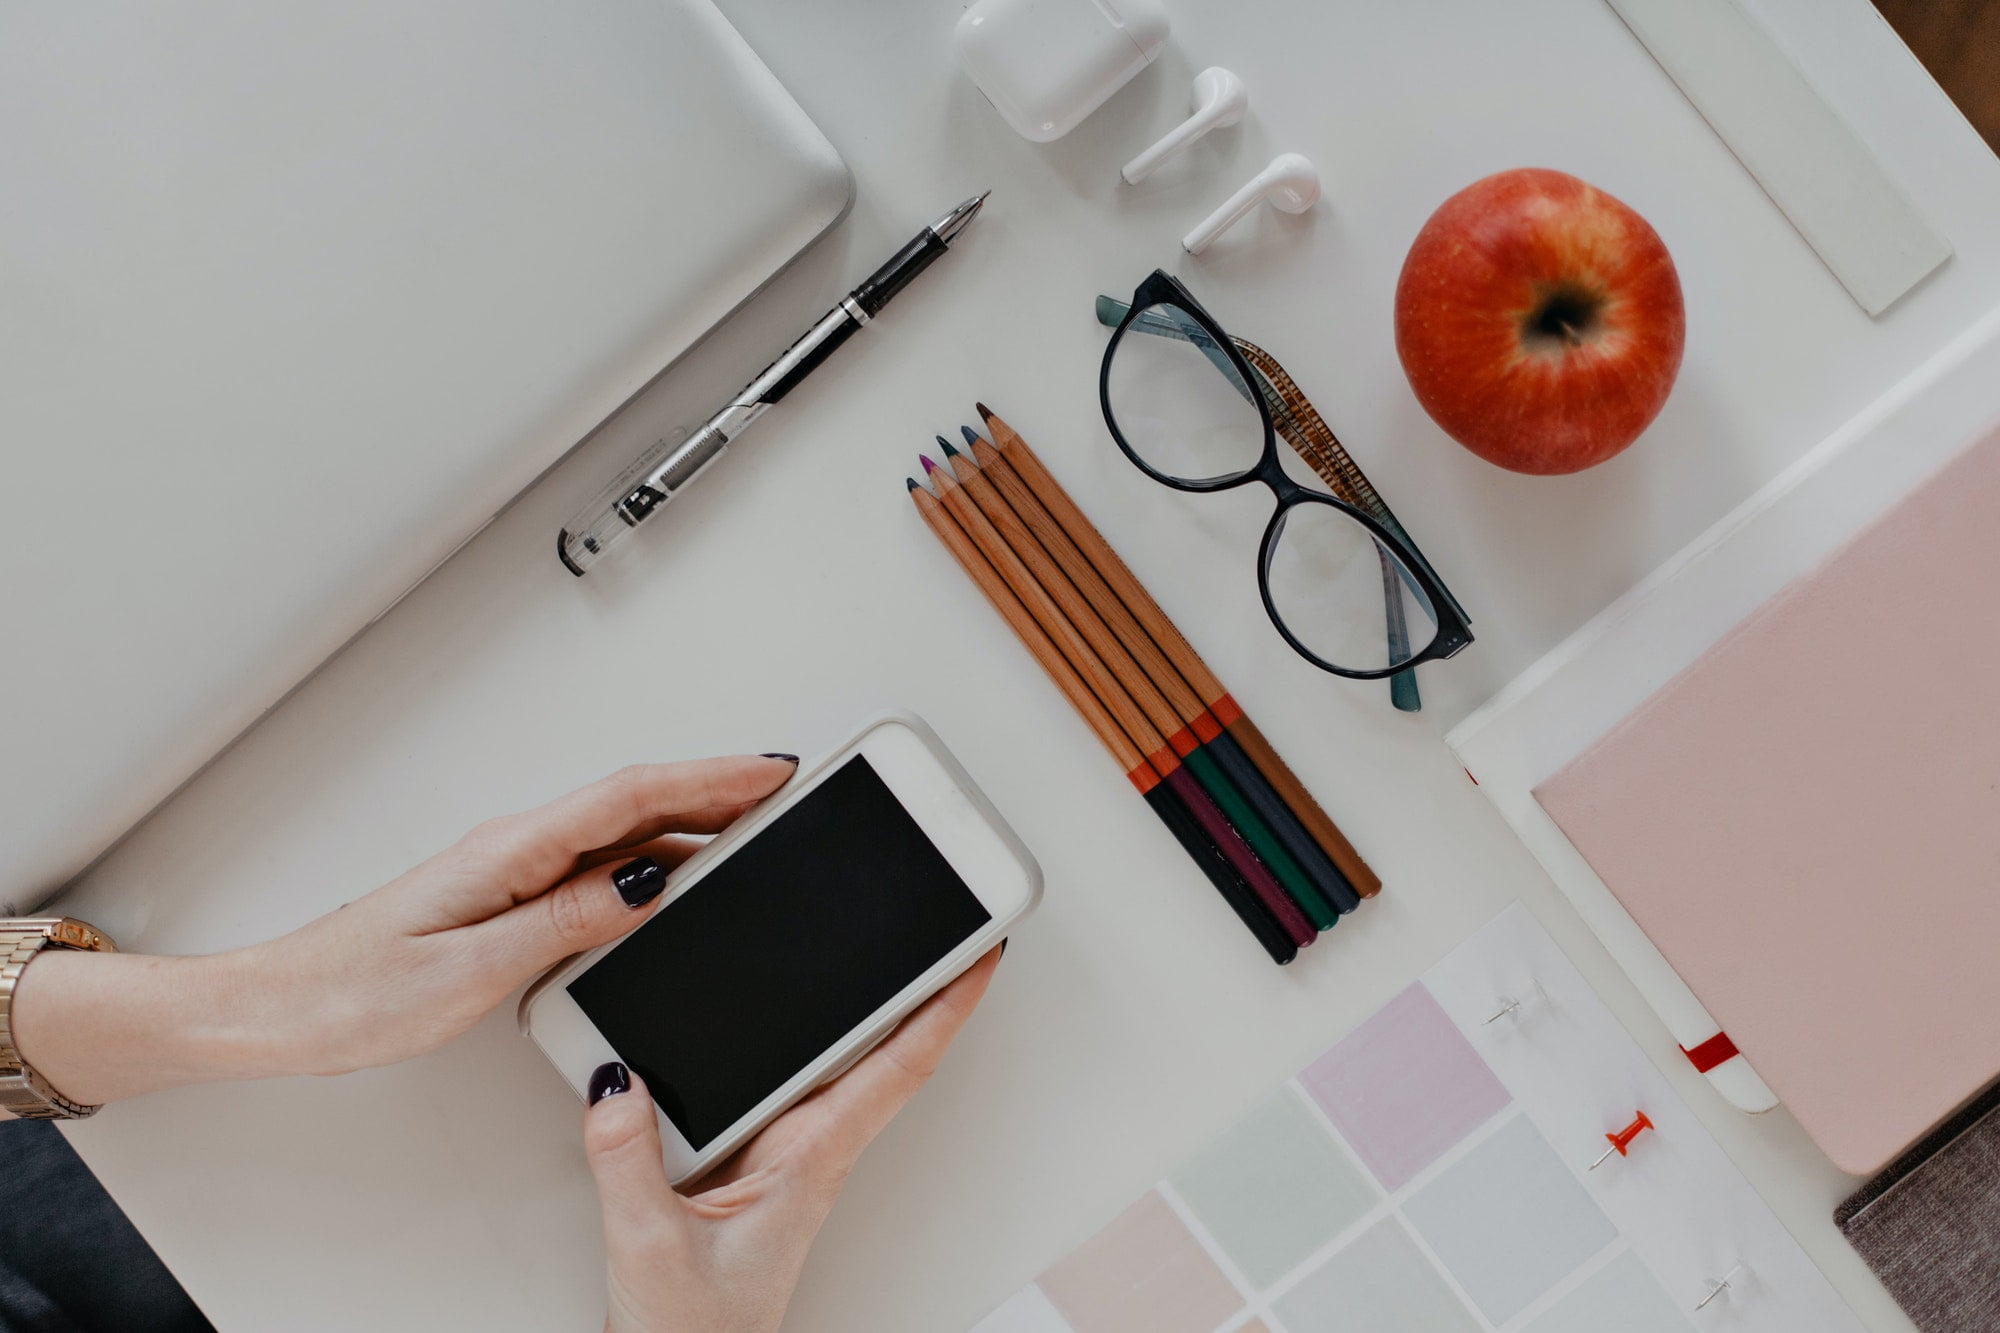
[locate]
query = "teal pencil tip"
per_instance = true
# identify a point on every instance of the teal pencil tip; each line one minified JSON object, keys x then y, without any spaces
{"x":950,"y":450}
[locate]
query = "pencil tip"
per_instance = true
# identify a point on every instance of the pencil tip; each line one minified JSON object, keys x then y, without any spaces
{"x":929,"y":466}
{"x":950,"y":450}
{"x":985,"y":413}
{"x":911,"y":484}
{"x":971,"y":436}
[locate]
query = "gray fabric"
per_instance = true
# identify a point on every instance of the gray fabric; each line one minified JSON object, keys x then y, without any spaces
{"x":70,"y":1261}
{"x":1929,"y":1225}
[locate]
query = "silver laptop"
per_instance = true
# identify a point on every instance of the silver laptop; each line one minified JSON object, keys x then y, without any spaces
{"x":292,"y":299}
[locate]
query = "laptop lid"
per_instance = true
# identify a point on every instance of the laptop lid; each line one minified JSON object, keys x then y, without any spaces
{"x":293,"y":298}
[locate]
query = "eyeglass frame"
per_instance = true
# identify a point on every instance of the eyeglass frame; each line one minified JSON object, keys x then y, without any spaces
{"x":1453,"y":628}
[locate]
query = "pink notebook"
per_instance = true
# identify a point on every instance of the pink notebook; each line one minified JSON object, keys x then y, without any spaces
{"x":1806,"y":822}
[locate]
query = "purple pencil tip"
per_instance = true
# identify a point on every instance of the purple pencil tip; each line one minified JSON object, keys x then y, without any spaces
{"x":928,"y":465}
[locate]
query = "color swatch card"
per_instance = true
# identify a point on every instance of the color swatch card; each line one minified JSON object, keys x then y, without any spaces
{"x":1430,"y":1174}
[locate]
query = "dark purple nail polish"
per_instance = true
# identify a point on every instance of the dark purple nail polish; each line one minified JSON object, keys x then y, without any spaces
{"x":639,"y":882}
{"x":1003,"y":948}
{"x":788,"y":758}
{"x":608,"y":1081}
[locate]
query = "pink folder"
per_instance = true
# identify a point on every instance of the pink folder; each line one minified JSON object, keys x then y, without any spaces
{"x":1806,"y":823}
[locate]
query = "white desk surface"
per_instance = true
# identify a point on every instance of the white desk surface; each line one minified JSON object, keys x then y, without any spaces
{"x":796,"y":592}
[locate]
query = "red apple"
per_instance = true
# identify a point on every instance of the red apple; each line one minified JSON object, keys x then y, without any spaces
{"x":1540,"y":321}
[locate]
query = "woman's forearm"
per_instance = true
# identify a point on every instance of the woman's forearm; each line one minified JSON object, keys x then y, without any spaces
{"x":101,"y":1026}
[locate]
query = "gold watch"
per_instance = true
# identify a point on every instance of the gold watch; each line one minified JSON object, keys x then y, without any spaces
{"x":23,"y":1091}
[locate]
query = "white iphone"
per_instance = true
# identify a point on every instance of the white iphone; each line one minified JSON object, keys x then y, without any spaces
{"x":793,"y":942}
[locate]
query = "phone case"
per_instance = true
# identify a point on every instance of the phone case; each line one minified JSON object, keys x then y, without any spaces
{"x":748,"y":826}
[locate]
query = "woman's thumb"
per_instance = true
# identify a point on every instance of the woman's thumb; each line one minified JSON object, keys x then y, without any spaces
{"x":622,"y":1140}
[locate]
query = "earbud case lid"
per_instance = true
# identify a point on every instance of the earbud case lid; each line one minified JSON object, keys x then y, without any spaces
{"x":1047,"y":64}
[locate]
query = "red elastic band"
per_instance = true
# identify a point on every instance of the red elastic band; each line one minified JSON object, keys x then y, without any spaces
{"x":1716,"y":1050}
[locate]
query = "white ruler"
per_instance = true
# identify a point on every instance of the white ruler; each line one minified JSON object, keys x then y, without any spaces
{"x":1851,"y":211}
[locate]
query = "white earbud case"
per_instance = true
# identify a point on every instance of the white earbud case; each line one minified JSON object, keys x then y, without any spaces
{"x":1046,"y":64}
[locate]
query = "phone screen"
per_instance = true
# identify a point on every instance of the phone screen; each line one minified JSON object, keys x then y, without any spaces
{"x":780,"y":951}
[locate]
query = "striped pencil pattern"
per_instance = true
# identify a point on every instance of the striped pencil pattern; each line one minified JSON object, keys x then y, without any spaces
{"x":1263,"y":843}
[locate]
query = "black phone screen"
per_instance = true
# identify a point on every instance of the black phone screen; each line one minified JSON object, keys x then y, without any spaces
{"x":780,"y":951}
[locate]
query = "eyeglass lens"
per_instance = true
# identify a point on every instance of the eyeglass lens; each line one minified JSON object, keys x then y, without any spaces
{"x":1184,"y":410}
{"x":1345,"y":597}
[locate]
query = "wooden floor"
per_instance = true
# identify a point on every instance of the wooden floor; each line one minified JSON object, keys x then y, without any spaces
{"x":1959,"y":43}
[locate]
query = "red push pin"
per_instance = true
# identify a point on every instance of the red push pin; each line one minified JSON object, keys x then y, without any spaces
{"x":1623,"y":1138}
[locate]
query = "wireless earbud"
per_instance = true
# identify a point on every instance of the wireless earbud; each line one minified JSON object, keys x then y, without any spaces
{"x":1219,"y":99}
{"x":1291,"y":183}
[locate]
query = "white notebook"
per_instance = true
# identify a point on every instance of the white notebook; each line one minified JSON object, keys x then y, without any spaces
{"x":1595,"y":679}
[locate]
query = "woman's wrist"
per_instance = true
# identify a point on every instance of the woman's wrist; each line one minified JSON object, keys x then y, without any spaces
{"x":103,"y":1026}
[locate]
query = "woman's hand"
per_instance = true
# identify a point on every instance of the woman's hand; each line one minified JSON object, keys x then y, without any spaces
{"x":398,"y":972}
{"x":725,"y":1258}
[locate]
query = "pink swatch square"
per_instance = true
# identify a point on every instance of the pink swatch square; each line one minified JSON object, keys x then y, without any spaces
{"x":1143,"y":1273}
{"x":1404,"y":1086}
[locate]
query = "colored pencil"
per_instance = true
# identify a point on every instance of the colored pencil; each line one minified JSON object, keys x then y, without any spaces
{"x":1185,"y":660}
{"x":1194,"y":731}
{"x":1137,"y":768}
{"x":1105,"y":684}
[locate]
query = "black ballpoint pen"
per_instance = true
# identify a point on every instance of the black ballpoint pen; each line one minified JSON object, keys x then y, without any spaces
{"x":666,"y":469}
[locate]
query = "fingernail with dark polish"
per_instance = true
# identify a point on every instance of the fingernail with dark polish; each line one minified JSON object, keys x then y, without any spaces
{"x":608,"y":1081}
{"x":1003,"y":948}
{"x":788,"y":758}
{"x":639,"y":882}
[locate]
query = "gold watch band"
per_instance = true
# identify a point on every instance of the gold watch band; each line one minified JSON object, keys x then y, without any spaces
{"x":23,"y":1091}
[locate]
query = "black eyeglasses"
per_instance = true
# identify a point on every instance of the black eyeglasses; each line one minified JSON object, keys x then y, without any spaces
{"x":1200,"y":411}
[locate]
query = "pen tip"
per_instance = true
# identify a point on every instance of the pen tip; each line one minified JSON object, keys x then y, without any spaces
{"x":985,"y":413}
{"x":971,"y":435}
{"x":911,"y":484}
{"x":929,"y":467}
{"x":952,"y":223}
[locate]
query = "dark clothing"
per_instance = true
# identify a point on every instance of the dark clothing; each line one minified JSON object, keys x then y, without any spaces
{"x":70,"y":1262}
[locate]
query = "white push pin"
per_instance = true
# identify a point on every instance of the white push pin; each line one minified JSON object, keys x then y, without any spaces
{"x":1290,"y":183}
{"x":1219,"y":100}
{"x":1515,"y":1006}
{"x":1720,"y":1285}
